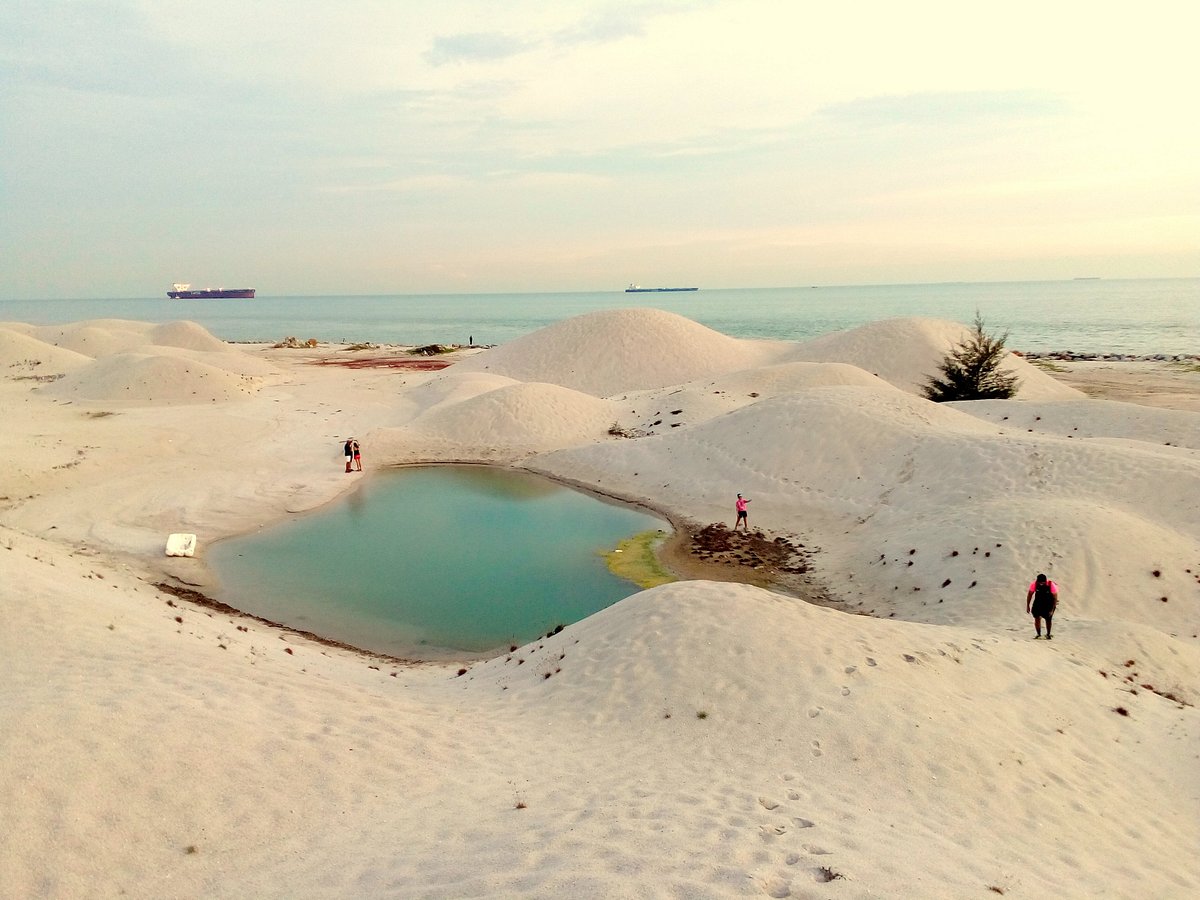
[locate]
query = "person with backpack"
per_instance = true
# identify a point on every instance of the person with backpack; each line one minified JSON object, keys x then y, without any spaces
{"x":348,"y":449}
{"x":1041,"y":601}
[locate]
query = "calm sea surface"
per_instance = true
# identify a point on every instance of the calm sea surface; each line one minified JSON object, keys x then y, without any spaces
{"x":1087,"y":316}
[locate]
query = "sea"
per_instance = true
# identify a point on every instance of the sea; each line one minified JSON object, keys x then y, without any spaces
{"x":1137,"y":317}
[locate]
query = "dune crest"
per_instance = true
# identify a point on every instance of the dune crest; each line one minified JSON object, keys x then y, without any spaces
{"x":604,"y":353}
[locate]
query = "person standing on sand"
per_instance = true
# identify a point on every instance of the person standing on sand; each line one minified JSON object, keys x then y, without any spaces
{"x":348,"y":449}
{"x":743,"y":515}
{"x":357,"y":455}
{"x":1043,"y":595}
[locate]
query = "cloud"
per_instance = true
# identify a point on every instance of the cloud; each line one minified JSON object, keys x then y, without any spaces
{"x":482,"y":46}
{"x":85,"y":47}
{"x":602,"y":27}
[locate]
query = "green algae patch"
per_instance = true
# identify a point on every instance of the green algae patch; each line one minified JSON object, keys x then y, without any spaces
{"x":635,"y":560}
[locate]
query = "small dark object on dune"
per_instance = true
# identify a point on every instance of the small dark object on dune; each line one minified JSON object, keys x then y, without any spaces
{"x":179,"y":619}
{"x":824,"y":873}
{"x":1156,"y":573}
{"x":461,"y":672}
{"x":1121,"y":711}
{"x":288,"y":650}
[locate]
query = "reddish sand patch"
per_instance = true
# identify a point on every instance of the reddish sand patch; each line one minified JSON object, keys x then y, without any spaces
{"x":386,"y":362}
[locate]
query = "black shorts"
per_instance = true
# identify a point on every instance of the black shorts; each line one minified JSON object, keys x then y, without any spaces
{"x":743,"y":514}
{"x":1043,"y":610}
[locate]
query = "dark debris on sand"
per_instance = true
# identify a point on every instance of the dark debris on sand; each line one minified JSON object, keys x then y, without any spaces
{"x":718,"y":543}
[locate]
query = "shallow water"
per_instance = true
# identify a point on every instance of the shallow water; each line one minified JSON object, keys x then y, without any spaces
{"x":419,"y":560}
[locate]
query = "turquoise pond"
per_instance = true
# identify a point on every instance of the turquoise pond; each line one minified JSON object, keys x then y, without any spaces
{"x":419,"y":561}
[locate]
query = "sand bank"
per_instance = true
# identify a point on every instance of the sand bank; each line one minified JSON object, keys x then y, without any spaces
{"x":699,"y":739}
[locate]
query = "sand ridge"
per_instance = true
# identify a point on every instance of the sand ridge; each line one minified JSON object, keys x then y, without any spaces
{"x":697,"y":739}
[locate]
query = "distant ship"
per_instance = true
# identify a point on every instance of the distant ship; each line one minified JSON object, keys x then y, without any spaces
{"x":185,"y":292}
{"x":638,"y":289}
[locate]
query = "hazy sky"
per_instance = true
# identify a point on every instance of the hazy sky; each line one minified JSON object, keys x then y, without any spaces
{"x":405,"y":146}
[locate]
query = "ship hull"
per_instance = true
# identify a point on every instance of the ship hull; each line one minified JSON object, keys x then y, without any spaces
{"x":636,"y":290}
{"x":214,"y":294}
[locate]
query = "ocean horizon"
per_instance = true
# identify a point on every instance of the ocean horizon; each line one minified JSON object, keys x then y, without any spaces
{"x":1084,"y":315}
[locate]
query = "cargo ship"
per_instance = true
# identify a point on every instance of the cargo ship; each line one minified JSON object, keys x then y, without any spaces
{"x":638,"y":289}
{"x":185,"y":292}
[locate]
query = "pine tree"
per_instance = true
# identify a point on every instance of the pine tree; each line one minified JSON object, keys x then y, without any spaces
{"x":971,"y":371}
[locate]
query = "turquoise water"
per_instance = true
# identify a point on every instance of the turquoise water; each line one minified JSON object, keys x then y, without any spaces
{"x":418,"y":560}
{"x":1121,"y":316}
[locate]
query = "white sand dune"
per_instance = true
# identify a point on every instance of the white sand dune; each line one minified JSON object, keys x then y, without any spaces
{"x":906,"y":352}
{"x":144,"y":379}
{"x":700,"y":739}
{"x":22,"y":354}
{"x":604,"y":353}
{"x":1092,"y":419}
{"x":506,"y":423}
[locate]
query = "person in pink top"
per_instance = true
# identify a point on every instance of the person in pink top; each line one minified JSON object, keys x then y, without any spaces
{"x":742,"y":513}
{"x":1043,"y":595}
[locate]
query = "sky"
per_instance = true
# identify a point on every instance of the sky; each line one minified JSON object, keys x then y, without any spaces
{"x":445,"y":146}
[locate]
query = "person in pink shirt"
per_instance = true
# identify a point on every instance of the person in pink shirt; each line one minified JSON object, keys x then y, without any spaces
{"x":1043,"y":596}
{"x":742,"y":513}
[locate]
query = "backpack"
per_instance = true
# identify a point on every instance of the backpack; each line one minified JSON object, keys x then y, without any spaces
{"x":1043,"y":594}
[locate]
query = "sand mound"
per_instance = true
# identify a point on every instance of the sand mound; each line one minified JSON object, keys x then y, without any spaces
{"x":1077,"y":419}
{"x":503,"y":423}
{"x":96,"y":337}
{"x":187,"y":335}
{"x":907,"y":351}
{"x":929,"y":513}
{"x":604,"y":353}
{"x":453,"y":387}
{"x":21,"y":354}
{"x":659,"y":410}
{"x":143,"y":379}
{"x":104,"y":337}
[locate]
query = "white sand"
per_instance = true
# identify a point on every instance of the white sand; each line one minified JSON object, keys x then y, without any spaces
{"x":152,"y":748}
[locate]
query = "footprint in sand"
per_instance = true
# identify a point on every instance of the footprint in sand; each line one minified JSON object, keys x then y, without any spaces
{"x":801,"y":822}
{"x":816,"y":748}
{"x":850,"y":670}
{"x":815,"y":850}
{"x":814,"y":712}
{"x":845,"y":692}
{"x":768,"y":803}
{"x":871,"y":662}
{"x":793,"y":795}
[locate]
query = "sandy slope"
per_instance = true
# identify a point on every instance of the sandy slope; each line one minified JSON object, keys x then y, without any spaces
{"x":699,"y":739}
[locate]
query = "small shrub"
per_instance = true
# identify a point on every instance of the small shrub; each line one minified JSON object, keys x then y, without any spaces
{"x":971,"y":371}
